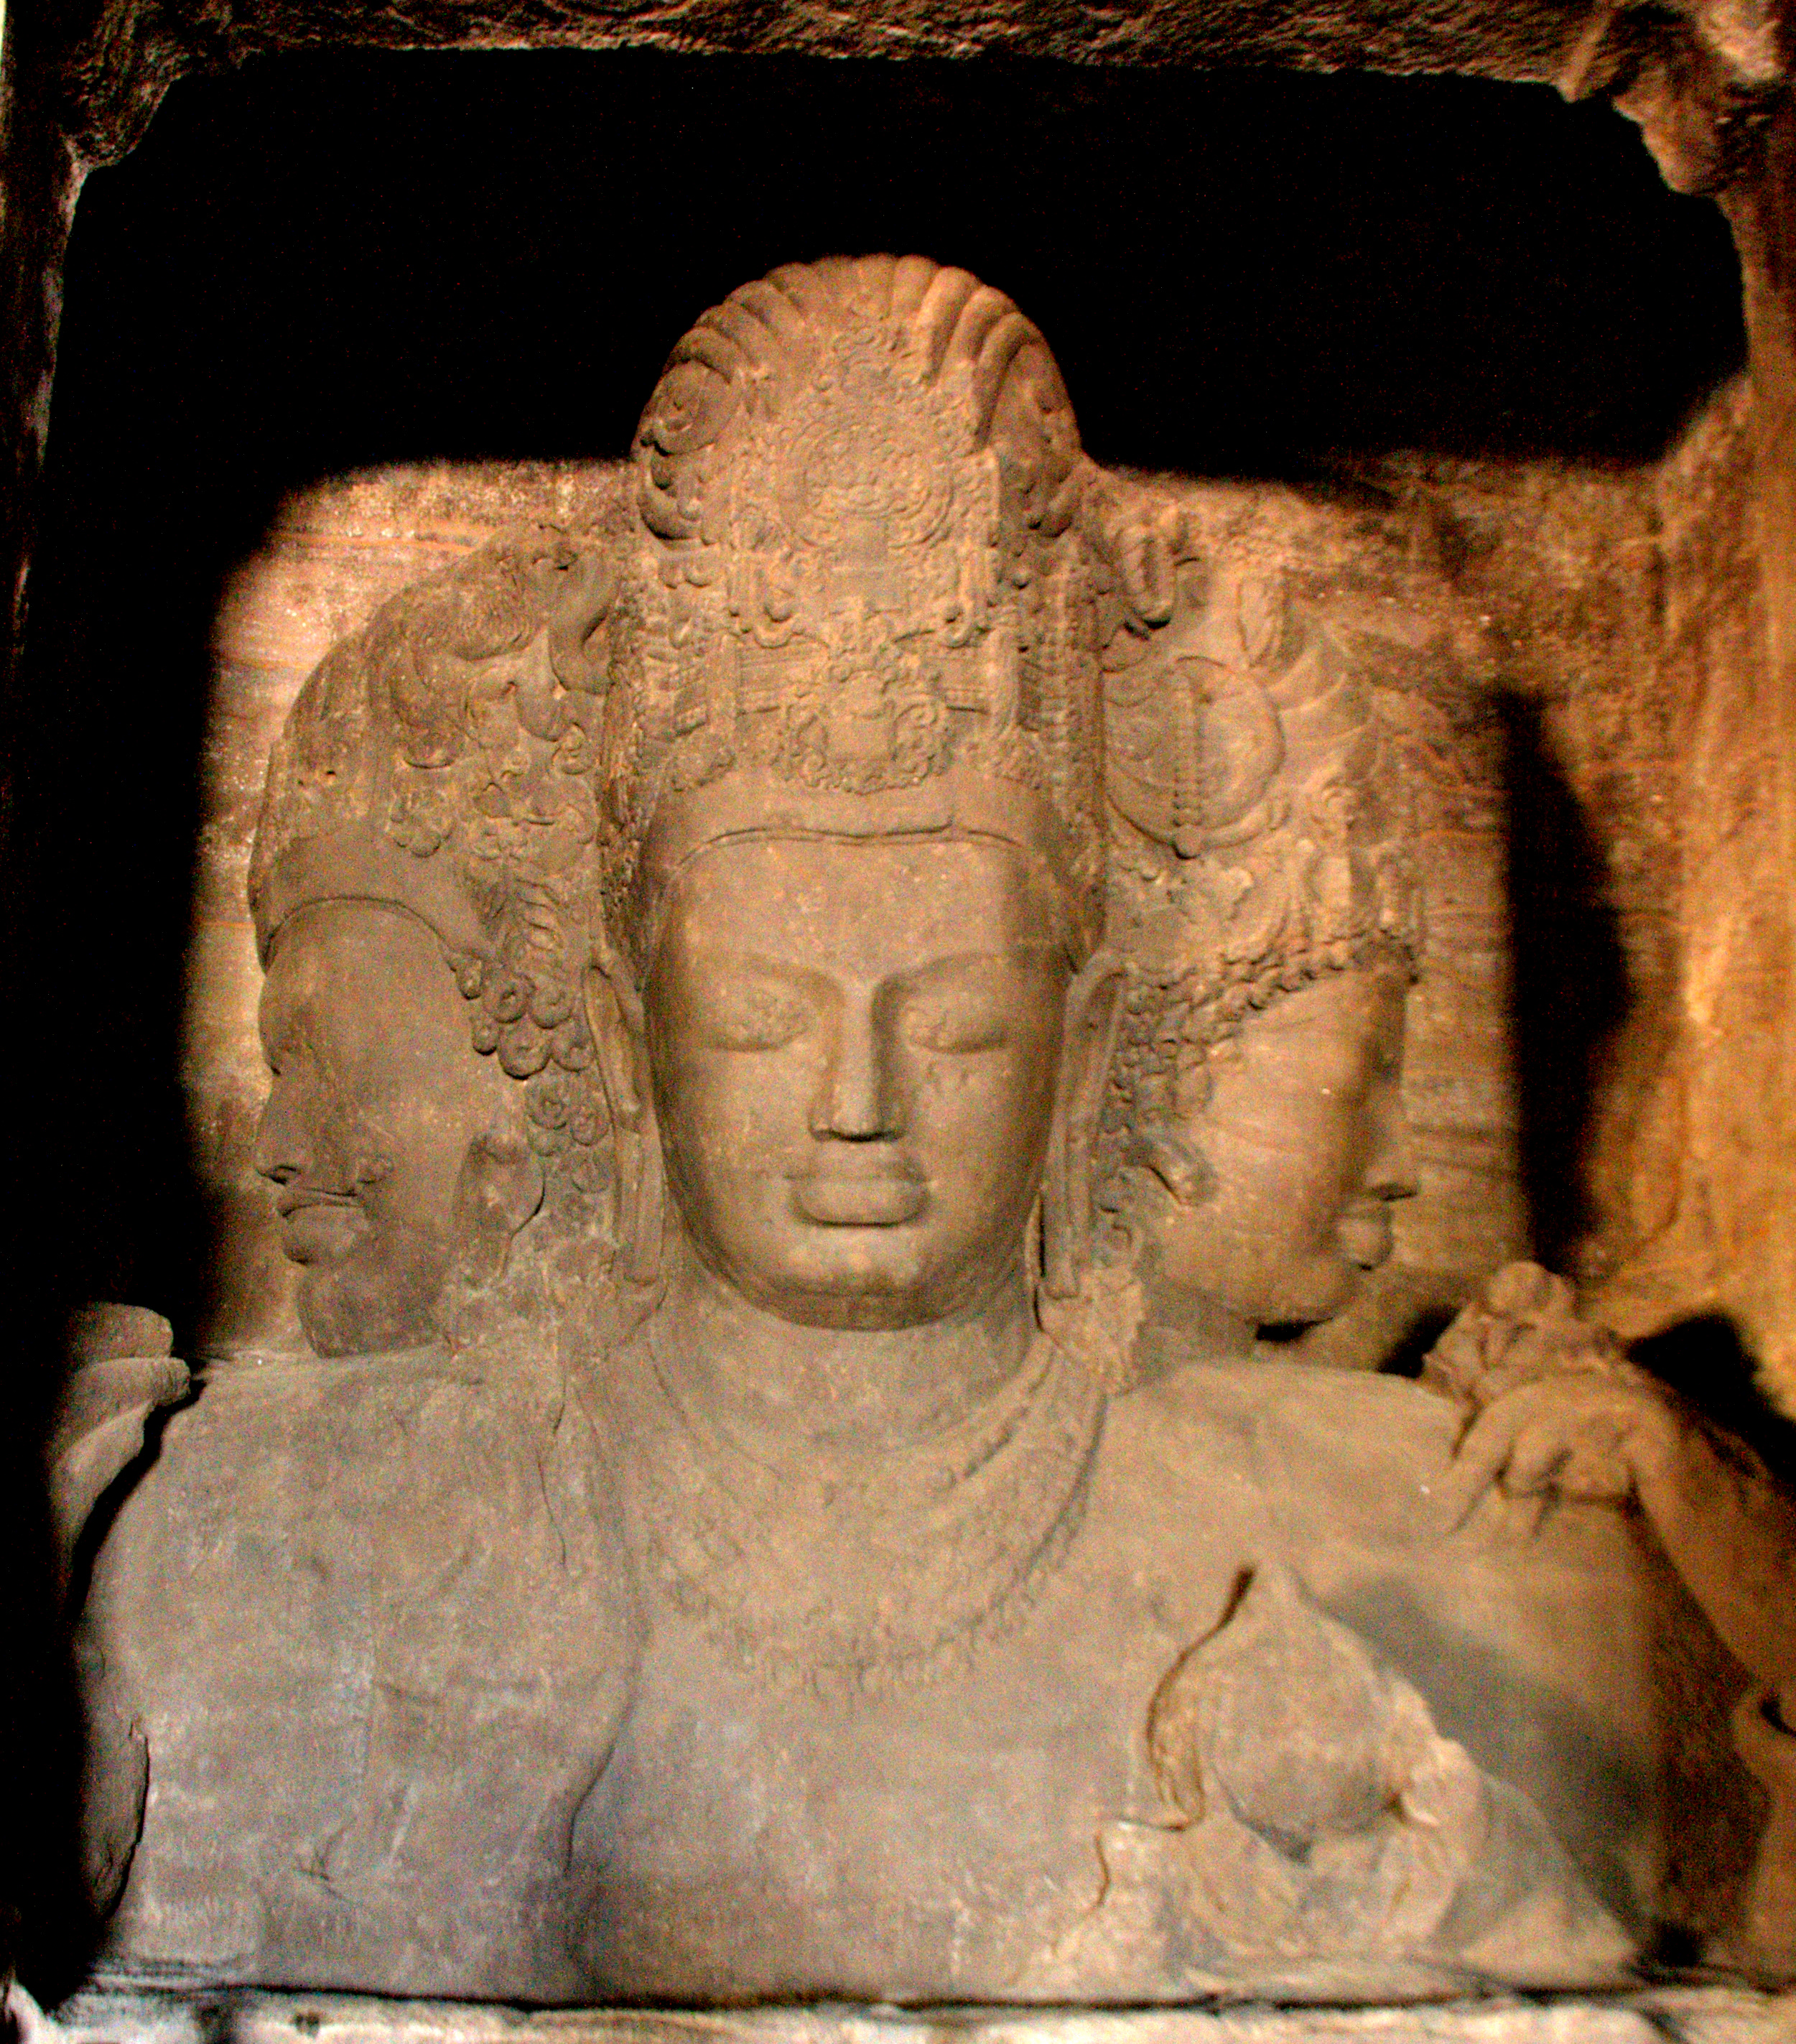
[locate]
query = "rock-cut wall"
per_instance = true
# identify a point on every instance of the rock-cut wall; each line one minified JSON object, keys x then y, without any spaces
{"x":1573,"y":647}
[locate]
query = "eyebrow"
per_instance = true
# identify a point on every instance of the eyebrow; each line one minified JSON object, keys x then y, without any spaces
{"x":958,"y":960}
{"x":950,"y":963}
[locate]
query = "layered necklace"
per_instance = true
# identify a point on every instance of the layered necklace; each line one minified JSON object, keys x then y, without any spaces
{"x":856,"y":1570}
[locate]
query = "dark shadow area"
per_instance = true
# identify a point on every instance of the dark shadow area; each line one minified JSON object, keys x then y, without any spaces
{"x":324,"y":262}
{"x":1569,"y":981}
{"x":1705,"y":1361}
{"x":1408,"y":1357}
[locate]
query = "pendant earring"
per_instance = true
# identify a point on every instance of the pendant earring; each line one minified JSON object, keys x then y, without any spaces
{"x":642,"y":1220}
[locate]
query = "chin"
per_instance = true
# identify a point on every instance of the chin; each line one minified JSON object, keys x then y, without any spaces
{"x":855,"y":1279}
{"x":332,"y":1325}
{"x":860,"y":1300}
{"x":349,"y":1312}
{"x":854,"y":1312}
{"x":1325,"y":1287}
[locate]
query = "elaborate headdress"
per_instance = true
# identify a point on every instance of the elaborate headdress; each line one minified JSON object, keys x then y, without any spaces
{"x":856,"y":602}
{"x":433,"y":762}
{"x":1269,"y":837}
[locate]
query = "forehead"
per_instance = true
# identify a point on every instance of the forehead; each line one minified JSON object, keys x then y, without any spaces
{"x":358,"y":951}
{"x":1366,"y":1002}
{"x":866,"y":908}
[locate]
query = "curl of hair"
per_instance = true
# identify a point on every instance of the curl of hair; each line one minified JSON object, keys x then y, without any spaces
{"x":748,"y":355}
{"x":530,"y":1021}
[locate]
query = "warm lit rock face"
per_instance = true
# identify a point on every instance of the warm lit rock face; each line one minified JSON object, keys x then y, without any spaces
{"x":1688,"y":1177}
{"x":1571,"y":642}
{"x":879,"y":1053}
{"x":334,"y":556}
{"x":838,"y":1007}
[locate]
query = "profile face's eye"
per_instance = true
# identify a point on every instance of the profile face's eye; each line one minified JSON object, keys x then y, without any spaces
{"x":746,"y":1014}
{"x":285,"y":1046}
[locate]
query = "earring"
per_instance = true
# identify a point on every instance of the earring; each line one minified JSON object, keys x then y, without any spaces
{"x":1093,"y":1009}
{"x":642,"y":1204}
{"x":1099,"y":1325}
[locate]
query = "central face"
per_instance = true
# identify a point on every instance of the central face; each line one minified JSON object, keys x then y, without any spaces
{"x":854,"y":1046}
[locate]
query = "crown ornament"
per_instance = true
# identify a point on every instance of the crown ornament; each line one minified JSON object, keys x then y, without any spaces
{"x":1264,"y":837}
{"x":1265,"y":833}
{"x":857,"y":599}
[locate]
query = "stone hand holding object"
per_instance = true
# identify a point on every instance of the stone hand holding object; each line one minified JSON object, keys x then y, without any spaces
{"x":122,"y":1373}
{"x":99,"y":1428}
{"x":1525,"y":1328}
{"x":1313,"y":1812}
{"x":1559,"y":1411}
{"x":1584,"y":1434}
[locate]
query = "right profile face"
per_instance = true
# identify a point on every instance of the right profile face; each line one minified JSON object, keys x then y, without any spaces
{"x":1304,"y":1143}
{"x":854,"y":1046}
{"x":377,"y":1097}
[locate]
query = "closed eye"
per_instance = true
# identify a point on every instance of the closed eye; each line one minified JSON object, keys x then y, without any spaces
{"x":753,"y":1019}
{"x":956,"y":1025}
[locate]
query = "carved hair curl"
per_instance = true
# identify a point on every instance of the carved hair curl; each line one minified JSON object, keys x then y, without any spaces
{"x":438,"y":760}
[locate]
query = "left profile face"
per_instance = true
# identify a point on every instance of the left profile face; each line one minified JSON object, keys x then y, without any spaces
{"x":1303,"y":1134}
{"x":377,"y":1095}
{"x":854,"y":1045}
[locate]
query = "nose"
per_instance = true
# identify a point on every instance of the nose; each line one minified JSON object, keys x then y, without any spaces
{"x":279,"y":1153}
{"x":1390,"y":1174}
{"x":857,"y":1101}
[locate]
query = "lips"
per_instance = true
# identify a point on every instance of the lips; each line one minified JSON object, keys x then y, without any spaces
{"x":297,"y":1198}
{"x":1363,"y":1233}
{"x":316,"y":1227}
{"x":845,"y":1200}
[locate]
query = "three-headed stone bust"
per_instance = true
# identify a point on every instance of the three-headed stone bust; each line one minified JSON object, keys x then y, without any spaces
{"x":910,"y":1655}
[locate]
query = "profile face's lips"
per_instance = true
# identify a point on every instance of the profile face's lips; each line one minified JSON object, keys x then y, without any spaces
{"x":317,"y":1227}
{"x":296,"y":1199}
{"x":833,"y":1201}
{"x":1363,"y":1233}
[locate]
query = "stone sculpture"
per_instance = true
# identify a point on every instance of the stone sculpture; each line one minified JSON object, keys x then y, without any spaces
{"x":122,"y":1375}
{"x":1559,"y":1412}
{"x":1264,"y":890}
{"x":398,"y":1559}
{"x":806,"y":1607}
{"x":416,"y":887}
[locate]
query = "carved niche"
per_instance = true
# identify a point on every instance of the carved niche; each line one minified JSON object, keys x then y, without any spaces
{"x":804,"y":1045}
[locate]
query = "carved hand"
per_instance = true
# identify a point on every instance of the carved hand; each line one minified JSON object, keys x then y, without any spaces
{"x":1578,"y":1434}
{"x":1728,"y":1526}
{"x":100,"y":1432}
{"x":1525,"y":1327}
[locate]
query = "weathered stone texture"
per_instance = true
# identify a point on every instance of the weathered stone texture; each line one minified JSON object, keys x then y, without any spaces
{"x":1688,"y":1172}
{"x":1609,"y":608}
{"x":117,"y":68}
{"x":1706,"y":2016}
{"x":333,"y":556}
{"x":962,"y":904}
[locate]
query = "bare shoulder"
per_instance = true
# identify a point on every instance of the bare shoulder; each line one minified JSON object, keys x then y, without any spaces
{"x":1367,"y":1448}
